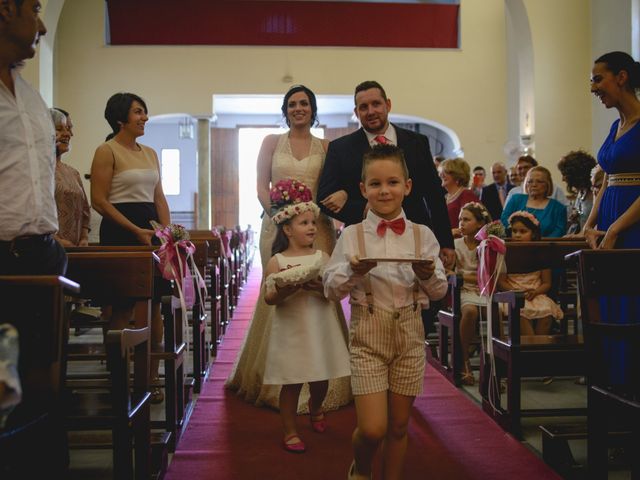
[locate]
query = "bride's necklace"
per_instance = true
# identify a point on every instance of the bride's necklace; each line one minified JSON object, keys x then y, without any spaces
{"x":452,"y":196}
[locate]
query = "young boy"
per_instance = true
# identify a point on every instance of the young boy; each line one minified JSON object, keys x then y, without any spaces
{"x":386,"y":339}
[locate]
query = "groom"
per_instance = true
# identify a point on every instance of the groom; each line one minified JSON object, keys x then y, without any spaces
{"x":339,"y":187}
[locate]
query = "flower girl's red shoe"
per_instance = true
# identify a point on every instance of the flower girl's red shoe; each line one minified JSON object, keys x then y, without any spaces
{"x":295,"y":447}
{"x":318,"y":422}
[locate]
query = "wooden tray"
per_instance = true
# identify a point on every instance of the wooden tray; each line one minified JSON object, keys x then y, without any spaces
{"x":396,"y":259}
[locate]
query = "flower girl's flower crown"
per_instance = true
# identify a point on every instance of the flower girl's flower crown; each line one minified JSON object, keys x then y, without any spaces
{"x":289,"y":198}
{"x":522,"y":213}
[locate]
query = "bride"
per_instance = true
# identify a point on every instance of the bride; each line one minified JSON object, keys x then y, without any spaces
{"x":296,"y":154}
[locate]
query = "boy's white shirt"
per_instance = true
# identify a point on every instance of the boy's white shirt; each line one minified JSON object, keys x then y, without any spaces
{"x":391,"y":283}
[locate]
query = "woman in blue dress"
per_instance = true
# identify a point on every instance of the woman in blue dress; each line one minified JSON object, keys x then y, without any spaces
{"x":614,"y":221}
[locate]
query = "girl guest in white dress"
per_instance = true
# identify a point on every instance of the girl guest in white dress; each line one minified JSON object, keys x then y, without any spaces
{"x":473,"y":216}
{"x":296,"y":154}
{"x":306,"y":342}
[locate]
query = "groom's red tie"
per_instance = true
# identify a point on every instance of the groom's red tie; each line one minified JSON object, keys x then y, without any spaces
{"x":381,"y":139}
{"x":397,"y":226}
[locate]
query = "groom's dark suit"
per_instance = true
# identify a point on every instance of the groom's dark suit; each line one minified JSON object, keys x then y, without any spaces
{"x":425,"y":204}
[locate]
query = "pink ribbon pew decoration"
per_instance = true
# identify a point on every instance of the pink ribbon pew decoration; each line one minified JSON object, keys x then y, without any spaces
{"x":177,"y":264}
{"x":491,"y":251}
{"x":490,"y":258}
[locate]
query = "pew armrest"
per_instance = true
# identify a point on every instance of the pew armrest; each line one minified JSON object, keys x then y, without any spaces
{"x":515,"y":301}
{"x":40,"y":281}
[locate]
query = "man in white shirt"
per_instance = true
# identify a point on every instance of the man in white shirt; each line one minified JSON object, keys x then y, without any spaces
{"x":28,"y":215}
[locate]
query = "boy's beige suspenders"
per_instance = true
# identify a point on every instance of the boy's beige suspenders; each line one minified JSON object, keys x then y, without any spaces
{"x":367,"y":281}
{"x":416,"y":284}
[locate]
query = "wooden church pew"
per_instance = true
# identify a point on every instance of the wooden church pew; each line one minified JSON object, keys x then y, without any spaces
{"x":518,"y":356}
{"x":226,"y":279}
{"x":33,"y":441}
{"x":112,"y":275}
{"x":613,"y":404}
{"x":207,"y":258}
{"x":177,"y":388}
{"x":200,"y":343}
{"x":123,"y":409}
{"x":445,"y":352}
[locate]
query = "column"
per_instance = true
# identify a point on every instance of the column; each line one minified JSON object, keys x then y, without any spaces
{"x":204,"y":173}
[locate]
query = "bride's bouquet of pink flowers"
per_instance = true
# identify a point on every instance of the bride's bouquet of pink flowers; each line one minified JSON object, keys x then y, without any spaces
{"x":289,"y":198}
{"x":289,"y":191}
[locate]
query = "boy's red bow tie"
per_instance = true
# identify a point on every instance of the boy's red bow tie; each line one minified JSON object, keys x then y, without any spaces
{"x":397,"y":226}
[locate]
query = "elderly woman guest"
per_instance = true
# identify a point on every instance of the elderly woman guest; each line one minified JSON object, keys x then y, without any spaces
{"x":71,"y":201}
{"x":69,"y":122}
{"x":455,"y":174}
{"x":126,"y":190}
{"x":575,"y":168}
{"x":538,"y":188}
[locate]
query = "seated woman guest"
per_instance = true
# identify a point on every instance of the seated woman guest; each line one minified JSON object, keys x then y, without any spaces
{"x":71,"y":201}
{"x":455,"y":174}
{"x":126,"y":190}
{"x":538,"y":187}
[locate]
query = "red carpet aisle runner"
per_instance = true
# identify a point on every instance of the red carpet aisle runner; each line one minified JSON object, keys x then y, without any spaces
{"x":450,"y":437}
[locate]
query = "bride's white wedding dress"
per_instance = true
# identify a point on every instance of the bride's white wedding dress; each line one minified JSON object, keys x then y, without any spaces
{"x":248,"y":371}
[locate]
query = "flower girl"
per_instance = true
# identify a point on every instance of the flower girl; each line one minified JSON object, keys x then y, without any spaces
{"x":307,"y":341}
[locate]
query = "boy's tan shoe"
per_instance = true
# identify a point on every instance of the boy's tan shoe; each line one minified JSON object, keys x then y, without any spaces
{"x":355,"y":476}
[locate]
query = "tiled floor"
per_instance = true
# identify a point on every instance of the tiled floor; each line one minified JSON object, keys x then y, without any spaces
{"x":97,"y":464}
{"x":562,"y":392}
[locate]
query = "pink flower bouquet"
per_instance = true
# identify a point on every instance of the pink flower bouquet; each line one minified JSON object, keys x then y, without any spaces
{"x":490,"y":256}
{"x":174,"y":253}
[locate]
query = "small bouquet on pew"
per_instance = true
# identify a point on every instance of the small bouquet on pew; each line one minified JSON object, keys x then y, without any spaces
{"x":491,"y":252}
{"x":176,"y":262}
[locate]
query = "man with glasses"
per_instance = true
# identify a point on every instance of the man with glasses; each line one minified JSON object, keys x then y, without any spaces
{"x":523,"y":165}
